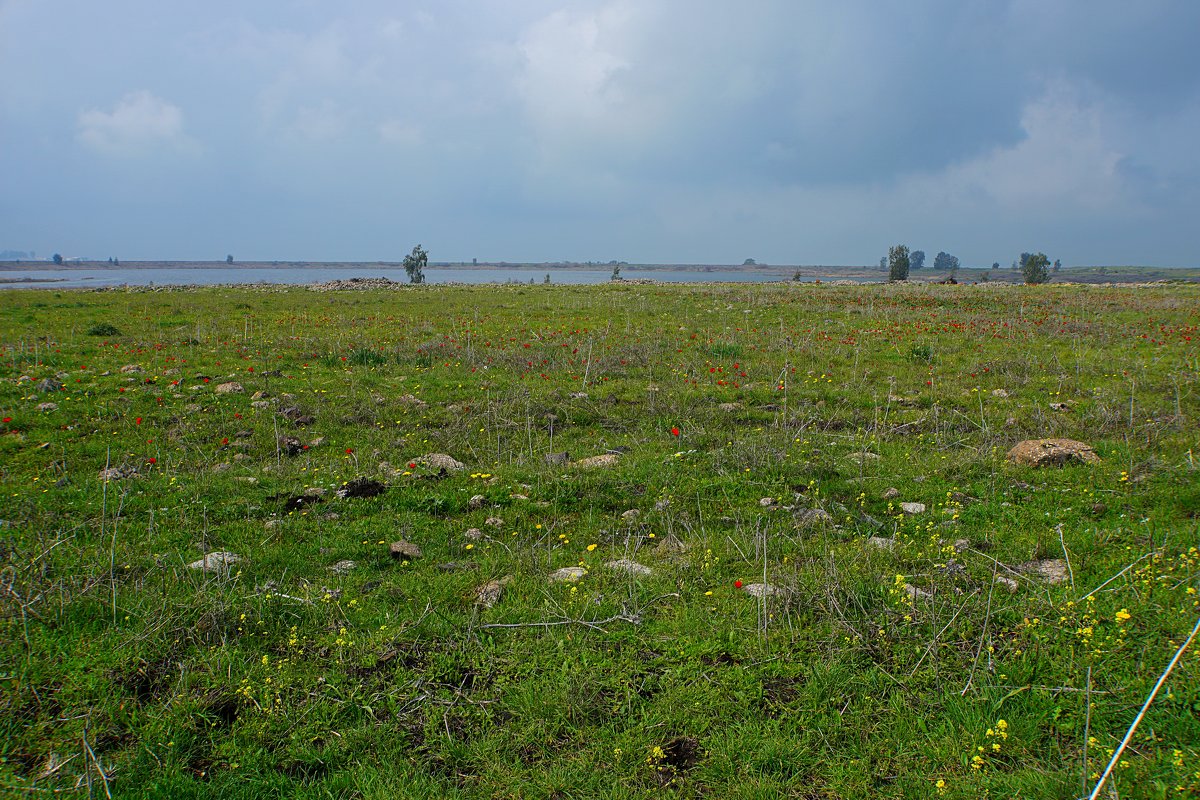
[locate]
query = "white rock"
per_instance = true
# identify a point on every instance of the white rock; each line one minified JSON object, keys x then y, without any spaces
{"x":912,"y":508}
{"x":215,"y":562}
{"x":567,"y":575}
{"x":631,"y":567}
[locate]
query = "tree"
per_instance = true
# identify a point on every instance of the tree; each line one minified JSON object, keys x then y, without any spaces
{"x":1035,"y":268}
{"x":1025,"y":259}
{"x":1057,"y":264}
{"x":228,"y":259}
{"x":945,"y":261}
{"x":57,"y":258}
{"x":917,"y":259}
{"x":749,"y":262}
{"x":898,"y":263}
{"x":995,"y":265}
{"x":883,"y":262}
{"x":616,"y":274}
{"x":415,"y":264}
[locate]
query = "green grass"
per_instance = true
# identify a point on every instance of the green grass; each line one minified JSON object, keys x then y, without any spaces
{"x":873,"y":672}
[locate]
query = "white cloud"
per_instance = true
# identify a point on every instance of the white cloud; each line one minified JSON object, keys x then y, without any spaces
{"x":138,"y":124}
{"x":398,"y":132}
{"x":322,"y":123}
{"x":1065,"y":160}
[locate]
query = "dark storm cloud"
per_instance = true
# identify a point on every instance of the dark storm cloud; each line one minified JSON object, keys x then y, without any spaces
{"x":656,"y":130}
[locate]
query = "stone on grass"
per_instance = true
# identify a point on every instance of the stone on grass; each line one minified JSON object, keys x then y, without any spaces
{"x":216,"y":561}
{"x":494,"y":522}
{"x":631,"y":516}
{"x":1049,"y":570}
{"x":1051,"y":453}
{"x":567,"y":575}
{"x":915,"y":593}
{"x":48,"y":385}
{"x":1008,"y":584}
{"x":912,"y":508}
{"x":404,"y":551}
{"x":488,"y":594}
{"x":47,"y":407}
{"x":761,"y":590}
{"x":730,"y":407}
{"x":766,"y":502}
{"x":630,"y":567}
{"x":439,"y":462}
{"x":476,"y":502}
{"x":232,"y":387}
{"x":881,"y":542}
{"x":669,"y":545}
{"x":593,"y":462}
{"x":474,"y":534}
{"x":812,"y":516}
{"x":557,"y":459}
{"x":1001,"y":393}
{"x":343,"y":567}
{"x":116,"y":473}
{"x":890,"y":493}
{"x":361,"y":487}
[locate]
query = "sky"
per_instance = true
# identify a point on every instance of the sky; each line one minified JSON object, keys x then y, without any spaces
{"x":648,"y":131}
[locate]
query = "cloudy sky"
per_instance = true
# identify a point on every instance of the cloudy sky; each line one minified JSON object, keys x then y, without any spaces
{"x":681,"y":131}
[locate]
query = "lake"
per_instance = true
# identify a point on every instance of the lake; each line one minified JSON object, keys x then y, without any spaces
{"x":14,"y":277}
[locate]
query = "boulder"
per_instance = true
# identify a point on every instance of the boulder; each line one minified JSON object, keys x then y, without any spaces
{"x":488,"y":594}
{"x":567,"y":575}
{"x":404,"y":551}
{"x":1052,"y":453}
{"x":1048,"y":570}
{"x":629,"y":567}
{"x":439,"y":462}
{"x":596,"y":462}
{"x":218,"y":561}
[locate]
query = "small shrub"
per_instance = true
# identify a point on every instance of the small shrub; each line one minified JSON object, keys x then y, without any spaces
{"x":365,"y":357}
{"x":103,"y":329}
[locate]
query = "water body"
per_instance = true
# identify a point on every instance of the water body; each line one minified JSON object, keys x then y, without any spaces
{"x":14,"y":278}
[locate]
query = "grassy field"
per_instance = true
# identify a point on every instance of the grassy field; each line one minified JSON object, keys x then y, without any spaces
{"x":996,"y":642}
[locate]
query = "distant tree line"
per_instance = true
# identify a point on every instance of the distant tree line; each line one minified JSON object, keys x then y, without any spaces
{"x":1035,"y":267}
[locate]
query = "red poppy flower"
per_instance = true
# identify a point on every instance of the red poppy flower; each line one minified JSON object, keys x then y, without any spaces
{"x":737,"y":584}
{"x":674,"y":431}
{"x":138,"y":421}
{"x":412,"y":465}
{"x":151,"y":460}
{"x":8,"y":419}
{"x":225,"y":440}
{"x":349,"y":450}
